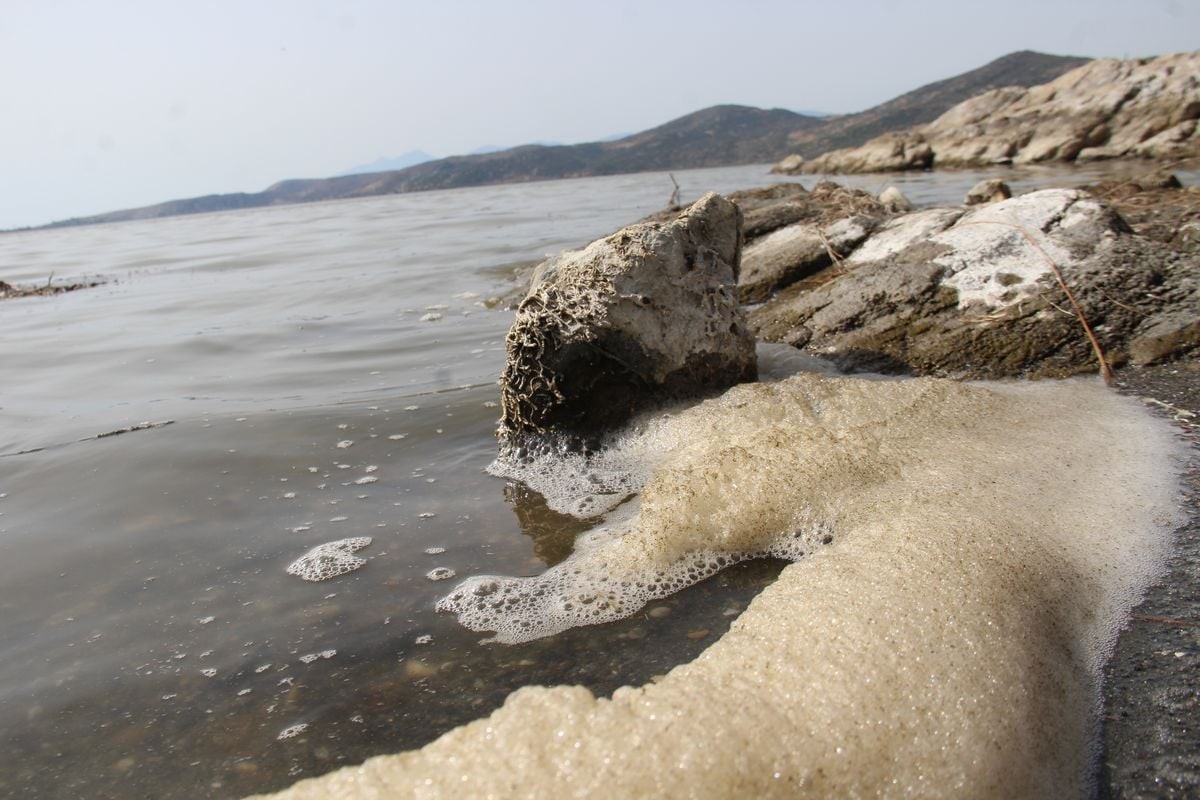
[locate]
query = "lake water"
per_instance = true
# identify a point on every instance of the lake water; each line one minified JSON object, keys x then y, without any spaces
{"x":309,"y":373}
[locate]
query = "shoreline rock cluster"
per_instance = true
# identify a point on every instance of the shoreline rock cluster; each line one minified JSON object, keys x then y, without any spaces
{"x":971,"y":292}
{"x":1105,"y":109}
{"x":670,"y":308}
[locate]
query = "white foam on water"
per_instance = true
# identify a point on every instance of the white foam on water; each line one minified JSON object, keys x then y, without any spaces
{"x":331,"y":559}
{"x":987,"y":543}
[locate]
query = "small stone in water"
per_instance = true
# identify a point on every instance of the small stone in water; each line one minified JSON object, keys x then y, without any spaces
{"x":208,"y":673}
{"x":204,"y":620}
{"x":426,"y":515}
{"x":344,"y":443}
{"x":398,"y":436}
{"x":434,"y":551}
{"x":440,"y":574}
{"x":364,"y":480}
{"x":424,"y":639}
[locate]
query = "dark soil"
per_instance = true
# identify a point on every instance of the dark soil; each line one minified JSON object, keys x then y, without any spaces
{"x":1151,"y":718}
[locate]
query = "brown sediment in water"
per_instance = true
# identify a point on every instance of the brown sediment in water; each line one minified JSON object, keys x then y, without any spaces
{"x":9,"y":291}
{"x":988,"y":542}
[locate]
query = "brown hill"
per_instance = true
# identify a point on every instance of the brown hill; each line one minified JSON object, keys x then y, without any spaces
{"x":722,"y":135}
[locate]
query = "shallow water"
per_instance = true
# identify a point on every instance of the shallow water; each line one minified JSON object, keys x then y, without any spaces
{"x":327,"y":371}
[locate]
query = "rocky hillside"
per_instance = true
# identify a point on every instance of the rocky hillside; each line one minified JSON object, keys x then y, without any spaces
{"x":1024,"y":68}
{"x":1105,"y":109}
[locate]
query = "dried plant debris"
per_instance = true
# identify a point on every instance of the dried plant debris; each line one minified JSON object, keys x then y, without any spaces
{"x":9,"y":291}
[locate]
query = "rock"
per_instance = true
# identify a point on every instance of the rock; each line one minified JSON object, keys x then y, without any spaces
{"x":1157,"y":207}
{"x":891,"y":152}
{"x":640,"y":318}
{"x":894,"y":200}
{"x":749,"y":200}
{"x":1107,"y":108}
{"x":1167,"y":333}
{"x":988,"y":191}
{"x":792,"y":165}
{"x":832,"y":221}
{"x":944,"y":292}
{"x":789,"y":254}
{"x":770,"y":207}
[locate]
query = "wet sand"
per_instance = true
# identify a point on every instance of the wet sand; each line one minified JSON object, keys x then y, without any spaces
{"x":1151,"y":739}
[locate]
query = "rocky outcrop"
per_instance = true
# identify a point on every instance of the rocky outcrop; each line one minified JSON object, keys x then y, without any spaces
{"x":816,"y":228}
{"x":1107,"y":108}
{"x":971,"y":293}
{"x":642,"y":317}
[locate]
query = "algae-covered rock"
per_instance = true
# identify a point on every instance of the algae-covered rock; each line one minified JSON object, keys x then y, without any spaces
{"x":647,"y":315}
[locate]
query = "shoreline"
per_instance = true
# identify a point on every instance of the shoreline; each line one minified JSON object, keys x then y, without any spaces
{"x":1150,"y":740}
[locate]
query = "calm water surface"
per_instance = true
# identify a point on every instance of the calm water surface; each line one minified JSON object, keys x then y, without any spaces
{"x":326,"y":371}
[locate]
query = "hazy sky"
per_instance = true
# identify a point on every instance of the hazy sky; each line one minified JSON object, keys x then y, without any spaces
{"x":110,"y":104}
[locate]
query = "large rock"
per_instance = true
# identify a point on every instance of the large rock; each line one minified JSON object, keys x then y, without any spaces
{"x":642,"y":317}
{"x":1107,"y":108}
{"x":972,"y":294}
{"x":826,"y":224}
{"x":770,"y":207}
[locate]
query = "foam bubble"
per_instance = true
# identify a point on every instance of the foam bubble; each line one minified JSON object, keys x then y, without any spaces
{"x":292,"y":731}
{"x":329,"y":560}
{"x":988,"y":541}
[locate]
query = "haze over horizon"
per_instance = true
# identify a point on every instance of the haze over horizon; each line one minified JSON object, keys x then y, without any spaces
{"x":129,"y":103}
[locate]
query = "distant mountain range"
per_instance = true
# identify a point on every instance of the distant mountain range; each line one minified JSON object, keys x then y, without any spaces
{"x":723,"y":135}
{"x":387,"y":164}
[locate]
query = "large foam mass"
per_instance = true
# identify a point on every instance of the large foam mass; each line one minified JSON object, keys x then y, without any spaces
{"x":987,"y":543}
{"x":758,"y":472}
